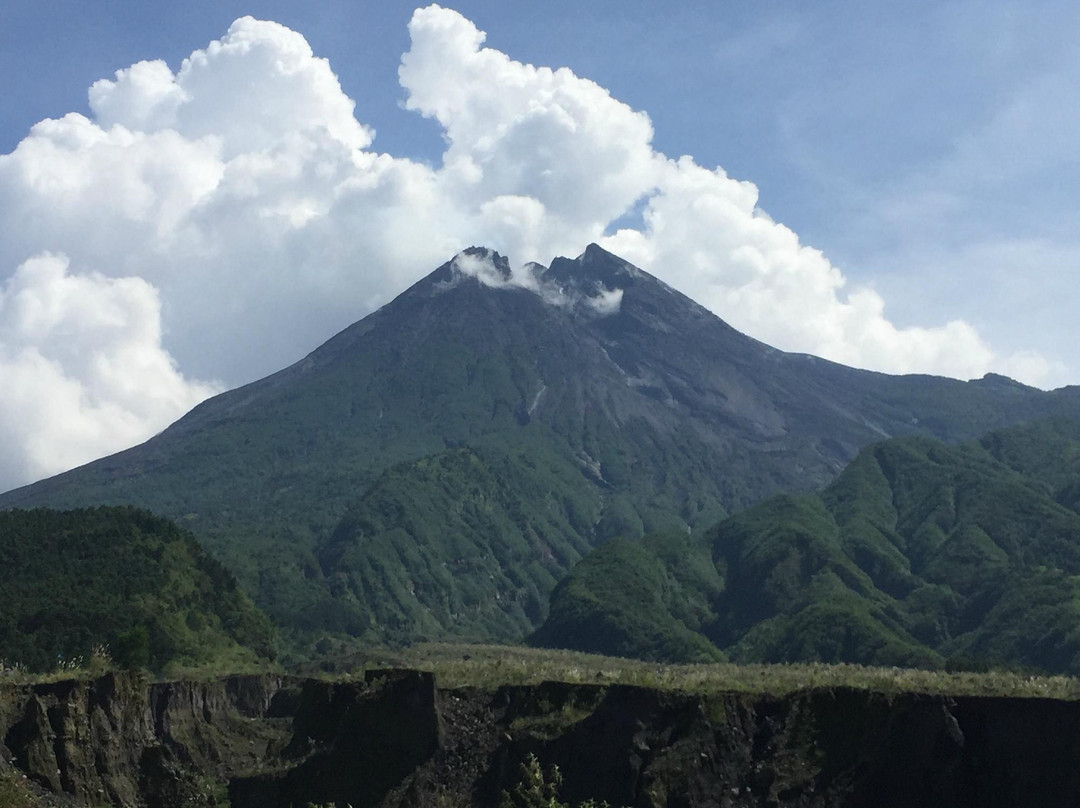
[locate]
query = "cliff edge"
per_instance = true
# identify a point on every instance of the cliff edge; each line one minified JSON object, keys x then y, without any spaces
{"x":396,"y":739}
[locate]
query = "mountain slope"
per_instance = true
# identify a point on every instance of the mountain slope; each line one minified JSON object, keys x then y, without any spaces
{"x":457,"y":545}
{"x":104,"y":576}
{"x":917,"y":554}
{"x":653,"y":410}
{"x":646,"y":599}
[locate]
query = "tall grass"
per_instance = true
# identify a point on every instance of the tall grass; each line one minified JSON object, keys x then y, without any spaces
{"x":489,"y":666}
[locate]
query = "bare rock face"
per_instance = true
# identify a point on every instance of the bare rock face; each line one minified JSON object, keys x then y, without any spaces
{"x":398,"y":741}
{"x":119,"y":740}
{"x":352,"y":743}
{"x":83,"y":738}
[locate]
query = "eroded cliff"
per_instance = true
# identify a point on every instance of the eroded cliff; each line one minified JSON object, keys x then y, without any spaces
{"x":398,"y":740}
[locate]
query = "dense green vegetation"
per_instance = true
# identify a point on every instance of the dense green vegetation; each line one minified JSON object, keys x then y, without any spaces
{"x":16,"y":792}
{"x":650,"y":599}
{"x":457,"y":544}
{"x":919,"y":554}
{"x":122,"y":578}
{"x":435,"y":469}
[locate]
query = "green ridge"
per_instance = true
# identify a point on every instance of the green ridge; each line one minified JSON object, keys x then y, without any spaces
{"x":658,"y":417}
{"x":119,"y":577}
{"x":919,"y":554}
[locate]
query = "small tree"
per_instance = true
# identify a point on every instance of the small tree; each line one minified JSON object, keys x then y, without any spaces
{"x":132,"y":648}
{"x":537,"y":790}
{"x":534,"y":790}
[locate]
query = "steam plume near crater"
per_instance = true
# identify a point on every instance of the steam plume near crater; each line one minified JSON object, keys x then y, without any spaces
{"x":481,"y":264}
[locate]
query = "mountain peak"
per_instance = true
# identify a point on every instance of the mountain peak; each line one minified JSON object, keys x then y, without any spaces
{"x":484,"y":264}
{"x":592,"y":283}
{"x":595,"y":266}
{"x":996,"y":380}
{"x":511,"y":417}
{"x":565,"y":282}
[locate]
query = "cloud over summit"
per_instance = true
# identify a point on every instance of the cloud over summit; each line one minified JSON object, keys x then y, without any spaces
{"x":207,"y":226}
{"x":494,"y":271}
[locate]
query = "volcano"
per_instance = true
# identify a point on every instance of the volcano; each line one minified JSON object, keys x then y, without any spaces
{"x":436,"y":468}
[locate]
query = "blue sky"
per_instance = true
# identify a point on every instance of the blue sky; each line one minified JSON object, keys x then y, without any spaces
{"x":926,"y":149}
{"x":824,"y":106}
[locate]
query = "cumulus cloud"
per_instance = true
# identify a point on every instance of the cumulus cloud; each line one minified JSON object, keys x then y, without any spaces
{"x":83,"y":368}
{"x":705,"y":235}
{"x":543,"y":142}
{"x":219,"y":221}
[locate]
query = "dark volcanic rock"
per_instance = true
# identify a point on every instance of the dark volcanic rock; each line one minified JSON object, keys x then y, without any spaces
{"x":354,"y":742}
{"x":634,"y":746}
{"x":397,"y":741}
{"x":118,"y":740}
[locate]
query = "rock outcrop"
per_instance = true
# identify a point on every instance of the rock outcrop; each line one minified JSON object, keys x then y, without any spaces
{"x":397,"y":740}
{"x":119,"y":740}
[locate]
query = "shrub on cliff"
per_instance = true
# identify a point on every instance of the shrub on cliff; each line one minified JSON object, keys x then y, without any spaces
{"x":539,"y":789}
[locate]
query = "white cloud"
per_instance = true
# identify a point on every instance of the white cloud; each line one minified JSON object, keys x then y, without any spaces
{"x":481,"y":265}
{"x":495,"y":272}
{"x":256,"y":86}
{"x":606,"y":301}
{"x":705,"y":235}
{"x":237,"y":215}
{"x":83,"y":368}
{"x":525,"y":138}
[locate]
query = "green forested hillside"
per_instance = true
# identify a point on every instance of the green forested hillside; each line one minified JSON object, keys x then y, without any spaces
{"x":331,"y":489}
{"x":918,"y":554}
{"x":648,"y":599}
{"x":119,"y":577}
{"x":464,"y":544}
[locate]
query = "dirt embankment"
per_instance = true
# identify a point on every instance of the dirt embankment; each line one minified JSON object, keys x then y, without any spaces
{"x":397,"y":740}
{"x":119,"y":740}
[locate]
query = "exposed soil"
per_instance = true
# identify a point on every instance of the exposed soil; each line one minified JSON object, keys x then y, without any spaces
{"x":397,"y":740}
